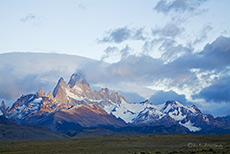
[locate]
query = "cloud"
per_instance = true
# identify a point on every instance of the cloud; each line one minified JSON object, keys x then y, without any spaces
{"x":138,"y":34}
{"x":220,"y":44}
{"x":122,"y":34}
{"x":28,"y":17}
{"x":32,"y":19}
{"x":219,"y":91}
{"x":82,"y":6}
{"x":12,"y":86}
{"x":164,"y":43}
{"x":203,"y":34}
{"x":165,"y":7}
{"x":204,"y":75}
{"x":169,"y":30}
{"x":113,"y":54}
{"x":162,"y":96}
{"x":168,"y":49}
{"x":145,"y":68}
{"x":214,"y":56}
{"x":191,"y":72}
{"x":132,"y":97}
{"x":172,"y":51}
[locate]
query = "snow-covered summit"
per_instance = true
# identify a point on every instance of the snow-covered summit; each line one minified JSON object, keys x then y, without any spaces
{"x":171,"y":106}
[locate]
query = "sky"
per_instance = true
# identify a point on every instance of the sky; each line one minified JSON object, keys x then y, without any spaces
{"x":157,"y":50}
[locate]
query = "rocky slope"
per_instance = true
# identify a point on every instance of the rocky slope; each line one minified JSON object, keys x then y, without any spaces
{"x":9,"y":130}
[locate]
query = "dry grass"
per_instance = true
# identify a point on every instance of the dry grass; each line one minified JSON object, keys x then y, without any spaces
{"x":123,"y":144}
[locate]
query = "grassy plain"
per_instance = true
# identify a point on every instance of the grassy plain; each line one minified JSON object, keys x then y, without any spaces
{"x":132,"y":144}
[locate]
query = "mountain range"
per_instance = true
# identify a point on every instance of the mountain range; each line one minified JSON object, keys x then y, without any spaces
{"x":74,"y":106}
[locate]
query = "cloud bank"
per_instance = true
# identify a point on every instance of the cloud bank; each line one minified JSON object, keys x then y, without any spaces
{"x":189,"y":77}
{"x":161,"y":97}
{"x":22,"y":73}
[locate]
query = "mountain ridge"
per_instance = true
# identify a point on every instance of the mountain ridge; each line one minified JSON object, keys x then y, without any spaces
{"x":54,"y":110}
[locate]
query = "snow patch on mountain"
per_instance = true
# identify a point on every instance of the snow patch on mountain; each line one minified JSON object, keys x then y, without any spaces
{"x":169,"y":105}
{"x":149,"y":114}
{"x":205,"y":118}
{"x":178,"y":111}
{"x":177,"y":115}
{"x":73,"y":96}
{"x":190,"y":126}
{"x":127,"y":111}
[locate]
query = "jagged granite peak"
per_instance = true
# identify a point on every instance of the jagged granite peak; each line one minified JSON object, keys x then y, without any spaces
{"x":3,"y":108}
{"x":104,"y":90}
{"x":78,"y":91}
{"x":104,"y":93}
{"x":172,"y":103}
{"x":61,"y":82}
{"x":50,"y":95}
{"x":77,"y":78}
{"x":41,"y":92}
{"x":171,"y":106}
{"x":59,"y":91}
{"x":3,"y":103}
{"x":32,"y":105}
{"x":196,"y":108}
{"x":19,"y":105}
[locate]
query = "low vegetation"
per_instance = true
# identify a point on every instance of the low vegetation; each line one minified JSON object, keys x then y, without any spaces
{"x":139,"y":144}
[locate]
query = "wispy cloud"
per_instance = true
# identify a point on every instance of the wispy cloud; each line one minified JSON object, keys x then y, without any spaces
{"x":165,"y":6}
{"x":169,"y":30}
{"x":203,"y":34}
{"x":113,"y":54}
{"x":167,"y":49}
{"x":122,"y":34}
{"x":28,"y":17}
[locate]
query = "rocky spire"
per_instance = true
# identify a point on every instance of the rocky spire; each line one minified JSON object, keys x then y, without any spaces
{"x":59,"y":92}
{"x":3,"y":107}
{"x":50,"y":95}
{"x":41,"y":92}
{"x":196,"y":108}
{"x":3,"y":103}
{"x":61,"y":83}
